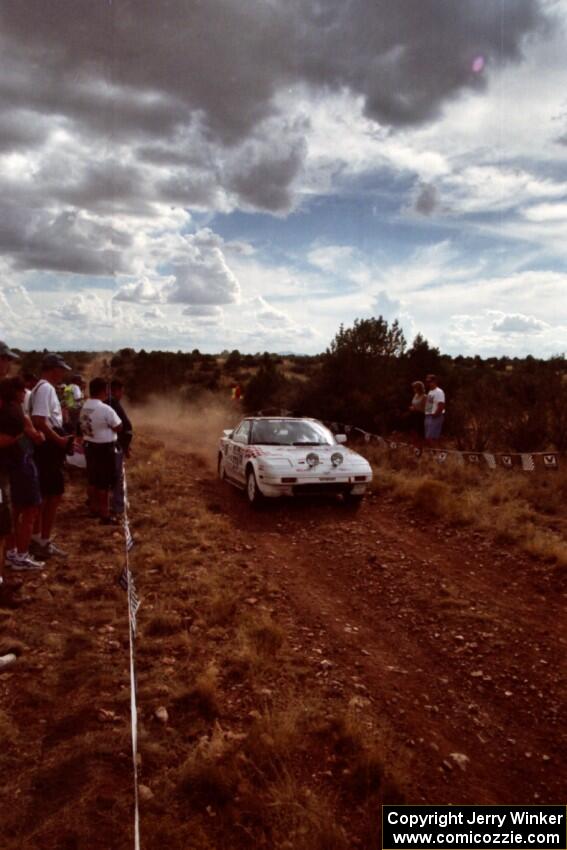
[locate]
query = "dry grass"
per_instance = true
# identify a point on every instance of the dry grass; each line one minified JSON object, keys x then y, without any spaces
{"x":163,"y":624}
{"x":202,"y":697}
{"x":517,"y":508}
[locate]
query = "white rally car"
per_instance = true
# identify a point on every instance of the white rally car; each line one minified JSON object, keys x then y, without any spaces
{"x":286,"y":456}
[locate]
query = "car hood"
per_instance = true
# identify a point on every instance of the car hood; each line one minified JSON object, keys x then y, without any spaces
{"x":296,"y":456}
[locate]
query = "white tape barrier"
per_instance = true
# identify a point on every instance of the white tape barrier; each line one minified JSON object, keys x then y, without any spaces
{"x":127,"y":581}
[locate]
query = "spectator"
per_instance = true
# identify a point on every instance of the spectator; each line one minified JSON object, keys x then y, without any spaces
{"x":123,"y":445}
{"x":10,"y":430}
{"x":434,"y":411}
{"x":416,"y":413}
{"x":47,"y":417}
{"x":100,"y":425}
{"x":30,"y":380}
{"x":24,"y":480}
{"x":73,"y":399}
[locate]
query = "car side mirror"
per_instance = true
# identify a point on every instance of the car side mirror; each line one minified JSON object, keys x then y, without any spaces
{"x":228,"y":433}
{"x":341,"y":438}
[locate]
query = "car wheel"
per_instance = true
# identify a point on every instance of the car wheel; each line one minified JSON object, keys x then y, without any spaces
{"x":221,"y":468}
{"x":253,"y":493}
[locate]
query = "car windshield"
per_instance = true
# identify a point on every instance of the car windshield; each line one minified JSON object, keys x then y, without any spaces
{"x":290,"y":432}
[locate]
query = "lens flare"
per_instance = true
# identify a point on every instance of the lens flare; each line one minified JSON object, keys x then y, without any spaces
{"x":478,"y":64}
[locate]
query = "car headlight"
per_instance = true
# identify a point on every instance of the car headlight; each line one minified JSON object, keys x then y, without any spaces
{"x":336,"y":458}
{"x":312,"y":459}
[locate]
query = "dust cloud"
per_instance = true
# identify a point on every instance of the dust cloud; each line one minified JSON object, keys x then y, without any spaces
{"x":194,"y":428}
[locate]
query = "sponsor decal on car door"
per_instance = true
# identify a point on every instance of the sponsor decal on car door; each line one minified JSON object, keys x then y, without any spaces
{"x":238,"y":450}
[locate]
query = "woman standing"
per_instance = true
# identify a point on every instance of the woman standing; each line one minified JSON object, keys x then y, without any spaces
{"x":416,"y":415}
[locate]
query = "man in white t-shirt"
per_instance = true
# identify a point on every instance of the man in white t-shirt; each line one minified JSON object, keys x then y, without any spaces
{"x":100,"y":425}
{"x":434,"y":411}
{"x":47,"y":417}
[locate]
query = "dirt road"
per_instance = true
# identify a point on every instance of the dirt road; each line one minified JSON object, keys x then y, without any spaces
{"x":447,"y":648}
{"x":460,"y":645}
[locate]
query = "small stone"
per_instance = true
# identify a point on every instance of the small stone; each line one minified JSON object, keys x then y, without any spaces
{"x":476,"y":674}
{"x":105,"y":716}
{"x":7,"y":660}
{"x":461,"y":759}
{"x":145,"y":792}
{"x":161,"y":714}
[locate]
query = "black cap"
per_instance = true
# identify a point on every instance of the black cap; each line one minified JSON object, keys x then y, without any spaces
{"x":54,"y":361}
{"x":7,"y":352}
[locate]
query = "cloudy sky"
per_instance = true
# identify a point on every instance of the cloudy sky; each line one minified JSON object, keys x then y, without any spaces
{"x":251,"y":173}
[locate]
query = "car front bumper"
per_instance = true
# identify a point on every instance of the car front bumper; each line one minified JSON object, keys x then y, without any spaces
{"x":306,"y":485}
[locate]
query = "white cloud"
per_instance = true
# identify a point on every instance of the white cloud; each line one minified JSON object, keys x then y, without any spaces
{"x":517,"y":323}
{"x":331,"y":258}
{"x":203,"y":310}
{"x":144,"y":291}
{"x":153,"y":312}
{"x":548,"y":212}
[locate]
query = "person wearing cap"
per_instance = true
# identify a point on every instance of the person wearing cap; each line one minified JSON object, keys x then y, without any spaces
{"x":7,"y":357}
{"x":10,"y":431}
{"x":47,"y":417}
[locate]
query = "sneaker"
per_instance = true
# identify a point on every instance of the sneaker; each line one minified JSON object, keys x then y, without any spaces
{"x":7,"y":660}
{"x":50,"y":550}
{"x":11,"y":554}
{"x":26,"y":562}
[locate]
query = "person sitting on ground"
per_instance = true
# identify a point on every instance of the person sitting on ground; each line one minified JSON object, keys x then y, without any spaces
{"x":11,"y":427}
{"x":100,"y":425}
{"x":47,"y":417}
{"x":122,"y":445}
{"x":24,"y":481}
{"x":434,"y":411}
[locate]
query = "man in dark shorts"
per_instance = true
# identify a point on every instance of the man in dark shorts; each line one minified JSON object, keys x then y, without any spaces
{"x":123,"y":445}
{"x":100,"y":425}
{"x":9,"y":432}
{"x":47,"y":417}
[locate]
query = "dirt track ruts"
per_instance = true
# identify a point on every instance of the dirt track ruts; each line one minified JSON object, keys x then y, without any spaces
{"x":460,"y":644}
{"x":454,"y":645}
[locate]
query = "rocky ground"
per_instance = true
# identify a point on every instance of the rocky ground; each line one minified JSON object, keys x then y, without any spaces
{"x":297,"y":666}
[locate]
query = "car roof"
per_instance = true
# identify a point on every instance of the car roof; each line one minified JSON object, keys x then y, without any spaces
{"x":282,"y":418}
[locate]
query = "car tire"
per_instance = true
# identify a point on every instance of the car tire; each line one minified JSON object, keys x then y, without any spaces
{"x":253,"y":492}
{"x":221,"y":468}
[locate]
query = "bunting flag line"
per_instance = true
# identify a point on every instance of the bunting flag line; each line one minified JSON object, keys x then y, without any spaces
{"x":528,"y":463}
{"x":525,"y":461}
{"x":550,"y":461}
